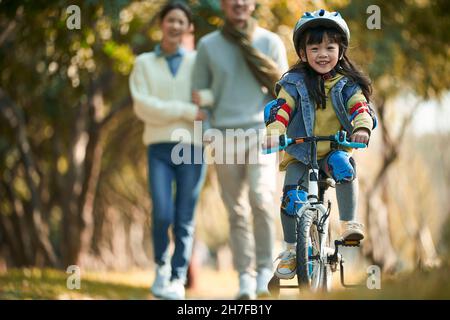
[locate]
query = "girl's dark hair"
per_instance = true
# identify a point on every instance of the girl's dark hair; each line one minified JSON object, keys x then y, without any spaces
{"x":175,"y":5}
{"x":313,"y":80}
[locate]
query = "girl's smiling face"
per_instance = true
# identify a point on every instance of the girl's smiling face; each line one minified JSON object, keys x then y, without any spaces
{"x":323,"y":56}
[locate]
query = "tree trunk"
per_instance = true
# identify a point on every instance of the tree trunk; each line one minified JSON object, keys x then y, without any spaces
{"x":378,"y":248}
{"x":427,"y":256}
{"x":85,"y":168}
{"x":40,"y":230}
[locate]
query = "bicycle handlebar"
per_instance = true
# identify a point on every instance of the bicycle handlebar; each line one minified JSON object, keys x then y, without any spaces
{"x":340,"y":138}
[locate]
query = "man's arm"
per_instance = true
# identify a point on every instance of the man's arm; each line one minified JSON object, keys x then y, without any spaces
{"x":201,"y":76}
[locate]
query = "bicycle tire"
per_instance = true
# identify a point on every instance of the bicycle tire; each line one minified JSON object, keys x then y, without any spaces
{"x":311,"y":272}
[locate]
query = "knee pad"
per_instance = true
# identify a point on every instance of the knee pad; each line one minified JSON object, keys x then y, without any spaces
{"x":293,"y":199}
{"x":341,"y":166}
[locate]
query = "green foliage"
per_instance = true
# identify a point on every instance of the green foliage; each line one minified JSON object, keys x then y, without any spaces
{"x":67,"y":83}
{"x":121,"y":55}
{"x":207,"y":16}
{"x":411,"y":50}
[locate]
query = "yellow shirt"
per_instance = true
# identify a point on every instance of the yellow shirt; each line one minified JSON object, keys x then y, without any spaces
{"x":326,"y":122}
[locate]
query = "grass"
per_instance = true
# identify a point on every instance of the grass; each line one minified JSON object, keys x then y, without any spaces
{"x":52,"y":284}
{"x":20,"y":284}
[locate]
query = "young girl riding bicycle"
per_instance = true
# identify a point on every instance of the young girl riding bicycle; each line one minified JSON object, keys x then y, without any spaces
{"x":320,"y":95}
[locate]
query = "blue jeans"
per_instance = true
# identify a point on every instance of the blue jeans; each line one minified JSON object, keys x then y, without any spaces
{"x":173,"y":207}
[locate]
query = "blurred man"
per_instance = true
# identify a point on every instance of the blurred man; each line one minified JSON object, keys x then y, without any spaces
{"x":240,"y":64}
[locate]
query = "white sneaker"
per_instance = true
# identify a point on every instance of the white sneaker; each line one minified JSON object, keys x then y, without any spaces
{"x":262,"y":280}
{"x":247,"y":287}
{"x":287,"y":267}
{"x":175,"y":290}
{"x":161,"y":282}
{"x":352,"y":230}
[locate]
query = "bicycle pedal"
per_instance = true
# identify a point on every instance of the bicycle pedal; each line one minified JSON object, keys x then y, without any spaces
{"x":351,"y":243}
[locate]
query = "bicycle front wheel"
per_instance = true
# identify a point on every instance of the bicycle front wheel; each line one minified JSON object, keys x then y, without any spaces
{"x":312,"y":271}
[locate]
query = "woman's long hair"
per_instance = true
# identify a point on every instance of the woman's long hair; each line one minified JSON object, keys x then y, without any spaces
{"x":313,"y":80}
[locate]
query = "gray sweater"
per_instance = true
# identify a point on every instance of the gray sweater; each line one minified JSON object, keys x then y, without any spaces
{"x":220,"y":66}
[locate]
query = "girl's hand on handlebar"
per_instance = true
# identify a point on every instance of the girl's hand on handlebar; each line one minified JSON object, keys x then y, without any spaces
{"x":361,"y":135}
{"x":271,"y":141}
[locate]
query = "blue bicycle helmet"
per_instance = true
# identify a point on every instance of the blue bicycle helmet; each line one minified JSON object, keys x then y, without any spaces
{"x":320,"y":18}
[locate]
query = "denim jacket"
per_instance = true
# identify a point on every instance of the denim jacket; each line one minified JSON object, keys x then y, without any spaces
{"x":302,"y":120}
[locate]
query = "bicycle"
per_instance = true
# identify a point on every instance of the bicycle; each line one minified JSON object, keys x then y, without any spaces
{"x":316,"y":260}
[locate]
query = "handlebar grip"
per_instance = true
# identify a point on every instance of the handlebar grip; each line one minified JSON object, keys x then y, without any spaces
{"x":341,"y":138}
{"x":271,"y":150}
{"x":354,"y":145}
{"x":284,"y":142}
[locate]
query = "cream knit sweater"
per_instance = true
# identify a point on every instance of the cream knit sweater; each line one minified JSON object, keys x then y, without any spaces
{"x":162,"y":101}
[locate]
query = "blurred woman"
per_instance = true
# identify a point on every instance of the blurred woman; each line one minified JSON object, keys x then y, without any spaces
{"x":160,"y":85}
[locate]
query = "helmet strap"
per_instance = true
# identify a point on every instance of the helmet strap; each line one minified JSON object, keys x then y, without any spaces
{"x":329,"y":75}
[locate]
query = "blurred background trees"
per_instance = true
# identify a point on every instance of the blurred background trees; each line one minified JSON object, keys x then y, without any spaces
{"x":73,"y":168}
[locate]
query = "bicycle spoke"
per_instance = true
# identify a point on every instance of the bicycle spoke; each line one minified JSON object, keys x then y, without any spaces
{"x":314,"y":263}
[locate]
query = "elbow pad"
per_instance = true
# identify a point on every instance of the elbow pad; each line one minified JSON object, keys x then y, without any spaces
{"x":271,"y":110}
